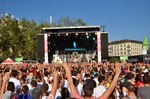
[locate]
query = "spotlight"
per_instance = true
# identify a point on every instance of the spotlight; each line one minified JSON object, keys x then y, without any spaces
{"x":95,"y":33}
{"x":66,"y":34}
{"x":86,"y":33}
{"x":49,"y":34}
{"x":76,"y":34}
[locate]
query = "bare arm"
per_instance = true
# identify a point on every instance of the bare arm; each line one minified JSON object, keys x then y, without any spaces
{"x":54,"y":88}
{"x":69,"y":77}
{"x":106,"y":94}
{"x":5,"y":80}
{"x":1,"y":80}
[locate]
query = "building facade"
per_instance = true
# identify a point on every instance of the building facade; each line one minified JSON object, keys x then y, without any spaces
{"x":125,"y":48}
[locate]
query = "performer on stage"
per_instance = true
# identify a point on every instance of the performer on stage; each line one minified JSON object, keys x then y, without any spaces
{"x":74,"y":45}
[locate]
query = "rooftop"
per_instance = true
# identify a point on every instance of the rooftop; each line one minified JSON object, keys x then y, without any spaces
{"x":72,"y":29}
{"x":125,"y":41}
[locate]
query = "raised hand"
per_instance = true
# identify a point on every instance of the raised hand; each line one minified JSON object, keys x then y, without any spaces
{"x":55,"y":74}
{"x":117,"y":68}
{"x":6,"y":76}
{"x":64,"y":64}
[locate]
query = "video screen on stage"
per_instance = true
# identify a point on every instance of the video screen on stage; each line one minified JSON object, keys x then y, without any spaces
{"x":61,"y":42}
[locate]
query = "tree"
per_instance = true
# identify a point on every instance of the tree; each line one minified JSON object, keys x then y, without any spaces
{"x":29,"y":31}
{"x":66,"y":21}
{"x":19,"y":38}
{"x":9,"y":36}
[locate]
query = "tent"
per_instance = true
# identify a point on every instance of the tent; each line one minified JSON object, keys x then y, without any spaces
{"x":8,"y":61}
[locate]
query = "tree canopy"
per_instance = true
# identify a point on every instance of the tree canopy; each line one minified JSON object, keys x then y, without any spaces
{"x":18,"y":38}
{"x":66,"y":21}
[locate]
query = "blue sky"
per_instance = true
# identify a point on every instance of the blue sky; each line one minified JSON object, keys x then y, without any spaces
{"x":124,"y":19}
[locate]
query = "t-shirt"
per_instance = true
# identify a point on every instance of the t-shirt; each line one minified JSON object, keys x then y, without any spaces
{"x":45,"y":79}
{"x":7,"y":95}
{"x":29,"y":78}
{"x":44,"y":97}
{"x":25,"y":97}
{"x":65,"y":84}
{"x":98,"y":91}
{"x":58,"y":94}
{"x":29,"y":86}
{"x":39,"y":84}
{"x":76,"y":95}
{"x":79,"y":88}
{"x":139,"y":84}
{"x":144,"y":92}
{"x":16,"y":82}
{"x":126,"y":84}
{"x":96,"y":80}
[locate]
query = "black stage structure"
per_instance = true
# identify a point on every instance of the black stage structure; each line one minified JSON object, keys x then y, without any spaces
{"x":68,"y":42}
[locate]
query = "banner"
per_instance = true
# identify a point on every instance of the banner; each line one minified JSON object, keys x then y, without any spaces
{"x":99,"y":47}
{"x":123,"y":58}
{"x":46,"y":48}
{"x":18,"y":59}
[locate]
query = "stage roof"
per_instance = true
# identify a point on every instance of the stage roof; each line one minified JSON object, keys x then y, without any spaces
{"x":72,"y":29}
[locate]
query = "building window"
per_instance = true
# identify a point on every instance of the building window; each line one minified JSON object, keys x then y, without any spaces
{"x":121,"y":53}
{"x":125,"y":53}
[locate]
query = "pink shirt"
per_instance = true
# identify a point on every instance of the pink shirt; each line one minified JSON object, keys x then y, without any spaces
{"x":75,"y":94}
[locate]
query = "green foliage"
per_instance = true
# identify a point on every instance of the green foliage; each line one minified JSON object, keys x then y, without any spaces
{"x":19,"y":38}
{"x":66,"y":21}
{"x":9,"y":37}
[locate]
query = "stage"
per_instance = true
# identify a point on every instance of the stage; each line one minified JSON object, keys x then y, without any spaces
{"x":79,"y":43}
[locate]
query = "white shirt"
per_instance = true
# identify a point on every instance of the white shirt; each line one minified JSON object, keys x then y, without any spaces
{"x":65,"y":83}
{"x":29,"y":86}
{"x":29,"y":78}
{"x":16,"y":82}
{"x":80,"y":88}
{"x":39,"y":84}
{"x":44,"y":97}
{"x":50,"y":87}
{"x":58,"y":94}
{"x":96,"y":80}
{"x":98,"y":91}
{"x":45,"y":79}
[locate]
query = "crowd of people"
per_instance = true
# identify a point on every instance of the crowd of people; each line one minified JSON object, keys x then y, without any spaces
{"x":118,"y":80}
